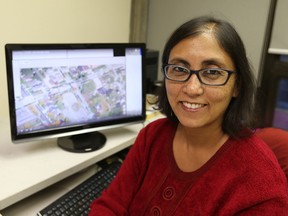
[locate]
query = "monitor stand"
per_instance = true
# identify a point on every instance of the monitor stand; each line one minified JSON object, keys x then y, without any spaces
{"x":82,"y":143}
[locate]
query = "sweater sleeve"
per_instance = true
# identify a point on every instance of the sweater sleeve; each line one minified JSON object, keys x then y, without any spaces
{"x":116,"y":199}
{"x":273,"y":206}
{"x":265,"y":191}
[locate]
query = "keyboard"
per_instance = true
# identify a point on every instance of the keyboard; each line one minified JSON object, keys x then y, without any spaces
{"x":76,"y":202}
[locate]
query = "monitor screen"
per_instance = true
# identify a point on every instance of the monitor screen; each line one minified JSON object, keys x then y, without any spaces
{"x":71,"y":91}
{"x":280,"y":119}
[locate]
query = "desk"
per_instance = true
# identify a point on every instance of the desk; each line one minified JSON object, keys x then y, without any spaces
{"x":30,"y":167}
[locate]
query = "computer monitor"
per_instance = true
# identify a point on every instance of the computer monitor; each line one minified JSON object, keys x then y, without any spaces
{"x":73,"y":91}
{"x":280,"y":115}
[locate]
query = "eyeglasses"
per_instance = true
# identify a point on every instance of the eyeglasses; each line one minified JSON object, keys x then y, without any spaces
{"x":207,"y":76}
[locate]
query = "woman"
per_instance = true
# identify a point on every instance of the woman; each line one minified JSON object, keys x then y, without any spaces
{"x":202,"y":159}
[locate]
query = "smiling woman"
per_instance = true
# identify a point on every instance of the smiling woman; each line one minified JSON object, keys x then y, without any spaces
{"x":220,"y":47}
{"x":204,"y":53}
{"x":204,"y":154}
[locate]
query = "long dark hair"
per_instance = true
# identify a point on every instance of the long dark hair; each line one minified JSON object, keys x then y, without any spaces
{"x":239,"y":116}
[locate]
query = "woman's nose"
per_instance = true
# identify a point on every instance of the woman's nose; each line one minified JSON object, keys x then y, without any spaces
{"x":193,"y":86}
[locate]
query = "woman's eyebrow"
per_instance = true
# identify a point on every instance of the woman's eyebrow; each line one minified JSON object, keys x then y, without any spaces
{"x":206,"y":62}
{"x":179,"y":60}
{"x":213,"y":61}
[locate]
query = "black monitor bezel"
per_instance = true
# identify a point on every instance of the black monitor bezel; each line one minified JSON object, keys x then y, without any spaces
{"x":77,"y":129}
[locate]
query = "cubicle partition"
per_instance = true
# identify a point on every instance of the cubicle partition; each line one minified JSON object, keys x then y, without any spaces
{"x":273,"y":85}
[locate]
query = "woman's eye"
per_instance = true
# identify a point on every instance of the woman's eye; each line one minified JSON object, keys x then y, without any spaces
{"x":180,"y":69}
{"x":212,"y":72}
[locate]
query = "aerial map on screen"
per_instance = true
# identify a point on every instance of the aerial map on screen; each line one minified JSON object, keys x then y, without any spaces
{"x":62,"y":95}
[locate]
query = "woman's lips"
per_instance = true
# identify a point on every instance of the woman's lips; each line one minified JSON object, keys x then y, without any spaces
{"x":193,"y":105}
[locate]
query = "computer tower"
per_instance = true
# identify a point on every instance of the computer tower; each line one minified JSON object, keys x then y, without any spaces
{"x":152,"y":58}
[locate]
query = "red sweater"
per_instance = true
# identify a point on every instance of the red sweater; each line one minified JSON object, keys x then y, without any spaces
{"x":242,"y":178}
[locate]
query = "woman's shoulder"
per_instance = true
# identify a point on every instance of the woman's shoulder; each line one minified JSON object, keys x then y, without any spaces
{"x":156,"y":130}
{"x":259,"y":159}
{"x":277,"y":140}
{"x":257,"y":149}
{"x":252,"y":170}
{"x":161,"y":123}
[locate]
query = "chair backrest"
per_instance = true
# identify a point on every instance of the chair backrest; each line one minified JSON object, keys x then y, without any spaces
{"x":277,"y":139}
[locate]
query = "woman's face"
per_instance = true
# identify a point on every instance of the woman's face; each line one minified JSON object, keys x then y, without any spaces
{"x":197,"y":105}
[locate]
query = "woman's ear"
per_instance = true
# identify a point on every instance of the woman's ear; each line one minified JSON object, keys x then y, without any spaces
{"x":235,"y":91}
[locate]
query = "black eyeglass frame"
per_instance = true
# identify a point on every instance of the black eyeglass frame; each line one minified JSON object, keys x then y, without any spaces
{"x":191,"y":72}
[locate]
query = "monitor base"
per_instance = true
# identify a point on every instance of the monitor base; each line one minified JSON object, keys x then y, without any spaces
{"x":82,"y":143}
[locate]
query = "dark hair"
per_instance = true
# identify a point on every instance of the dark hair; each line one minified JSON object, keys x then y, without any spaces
{"x":239,"y":116}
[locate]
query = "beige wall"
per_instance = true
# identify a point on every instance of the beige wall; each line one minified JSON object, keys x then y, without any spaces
{"x":248,"y":16}
{"x":59,"y":21}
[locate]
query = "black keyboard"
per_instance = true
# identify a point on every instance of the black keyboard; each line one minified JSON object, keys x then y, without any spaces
{"x":77,"y":201}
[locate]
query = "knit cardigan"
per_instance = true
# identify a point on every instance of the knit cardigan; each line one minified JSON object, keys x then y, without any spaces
{"x":242,"y":178}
